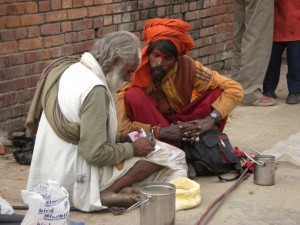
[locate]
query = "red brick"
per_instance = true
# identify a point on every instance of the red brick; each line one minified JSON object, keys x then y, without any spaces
{"x":33,"y":31}
{"x":20,"y":33}
{"x":219,"y":10}
{"x":205,"y":13}
{"x":98,"y":22}
{"x":67,"y":50}
{"x":55,"y":4}
{"x":126,"y":26}
{"x":8,"y":47}
{"x":32,"y":19}
{"x":86,"y":35}
{"x":110,"y":29}
{"x":185,"y":7}
{"x":13,"y":21}
{"x":66,"y":27}
{"x":207,"y":21}
{"x":43,"y":54}
{"x":97,"y":11}
{"x":206,"y":31}
{"x":218,"y":19}
{"x":3,"y":10}
{"x":77,"y":13}
{"x":32,"y":80}
{"x":20,"y":83}
{"x":18,"y":110}
{"x":107,"y":20}
{"x":192,"y":15}
{"x":135,"y":16}
{"x":88,"y":2}
{"x":229,"y":8}
{"x":32,"y":68}
{"x":87,"y":24}
{"x":192,"y":6}
{"x":30,"y":57}
{"x":100,"y":2}
{"x":67,"y":4}
{"x":8,"y":99}
{"x":89,"y":44}
{"x":50,"y":29}
{"x":117,"y":19}
{"x":17,"y":59}
{"x":54,"y":41}
{"x":14,"y":9}
{"x":31,"y":7}
{"x":7,"y":86}
{"x":5,"y":62}
{"x":71,"y":37}
{"x":79,"y":48}
{"x":30,"y":44}
{"x":207,"y":4}
{"x":56,"y":16}
{"x":7,"y":35}
{"x":126,"y":17}
{"x":77,"y":25}
{"x":78,"y":3}
{"x":55,"y":52}
{"x":44,"y":6}
{"x":220,"y":28}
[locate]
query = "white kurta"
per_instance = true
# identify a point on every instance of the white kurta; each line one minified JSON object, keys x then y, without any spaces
{"x":55,"y":159}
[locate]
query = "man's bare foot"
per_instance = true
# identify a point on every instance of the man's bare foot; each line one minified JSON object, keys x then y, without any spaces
{"x":109,"y":198}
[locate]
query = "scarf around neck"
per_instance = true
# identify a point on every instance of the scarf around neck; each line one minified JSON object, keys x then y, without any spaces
{"x":90,"y":62}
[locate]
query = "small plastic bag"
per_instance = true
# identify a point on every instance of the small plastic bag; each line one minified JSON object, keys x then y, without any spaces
{"x":48,"y":204}
{"x":5,"y":207}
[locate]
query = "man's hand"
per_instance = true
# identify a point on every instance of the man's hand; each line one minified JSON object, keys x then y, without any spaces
{"x":192,"y":129}
{"x":187,"y":131}
{"x":143,"y":146}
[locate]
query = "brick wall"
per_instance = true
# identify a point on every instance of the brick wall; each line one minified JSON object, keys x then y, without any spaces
{"x":33,"y":33}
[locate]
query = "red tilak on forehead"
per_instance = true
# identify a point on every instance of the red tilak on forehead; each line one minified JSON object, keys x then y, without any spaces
{"x":158,"y":52}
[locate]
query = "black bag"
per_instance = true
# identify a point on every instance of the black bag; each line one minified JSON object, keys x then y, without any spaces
{"x":24,"y":149}
{"x":212,"y":155}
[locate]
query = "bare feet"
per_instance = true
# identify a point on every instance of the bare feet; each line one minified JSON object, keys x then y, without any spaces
{"x":129,"y":190}
{"x":125,"y":198}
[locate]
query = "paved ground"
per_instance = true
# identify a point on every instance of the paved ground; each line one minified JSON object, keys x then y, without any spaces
{"x":249,"y":127}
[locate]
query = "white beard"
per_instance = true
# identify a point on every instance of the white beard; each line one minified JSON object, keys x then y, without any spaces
{"x":114,"y":80}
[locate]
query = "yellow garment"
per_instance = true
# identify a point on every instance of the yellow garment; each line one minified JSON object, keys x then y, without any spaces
{"x":170,"y":90}
{"x":204,"y":80}
{"x":187,"y":193}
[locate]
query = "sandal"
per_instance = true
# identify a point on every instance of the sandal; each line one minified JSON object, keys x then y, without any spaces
{"x":264,"y":101}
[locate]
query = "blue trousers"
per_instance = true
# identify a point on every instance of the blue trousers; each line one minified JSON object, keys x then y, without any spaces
{"x":293,"y":62}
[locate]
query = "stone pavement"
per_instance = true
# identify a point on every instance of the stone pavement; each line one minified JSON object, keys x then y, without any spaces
{"x":258,"y":128}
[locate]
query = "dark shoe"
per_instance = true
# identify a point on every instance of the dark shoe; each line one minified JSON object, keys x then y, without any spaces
{"x":270,"y":94}
{"x":293,"y":99}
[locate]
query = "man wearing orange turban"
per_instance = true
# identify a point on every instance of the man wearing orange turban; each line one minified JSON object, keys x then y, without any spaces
{"x":170,"y":94}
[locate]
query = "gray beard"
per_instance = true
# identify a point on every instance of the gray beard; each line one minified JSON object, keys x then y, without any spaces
{"x":114,"y":81}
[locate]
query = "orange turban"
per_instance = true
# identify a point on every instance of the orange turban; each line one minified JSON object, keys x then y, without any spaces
{"x":174,"y":30}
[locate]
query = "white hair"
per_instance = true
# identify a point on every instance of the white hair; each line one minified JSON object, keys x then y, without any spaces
{"x":123,"y":44}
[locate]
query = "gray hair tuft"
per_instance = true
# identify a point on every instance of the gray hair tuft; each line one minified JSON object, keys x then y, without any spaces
{"x":121,"y":43}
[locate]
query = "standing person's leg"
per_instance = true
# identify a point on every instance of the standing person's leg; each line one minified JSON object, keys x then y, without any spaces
{"x":293,"y":75}
{"x":256,"y":50}
{"x":238,"y":32}
{"x":273,"y":72}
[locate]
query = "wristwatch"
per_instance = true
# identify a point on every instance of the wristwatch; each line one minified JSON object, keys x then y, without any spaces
{"x":214,"y":116}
